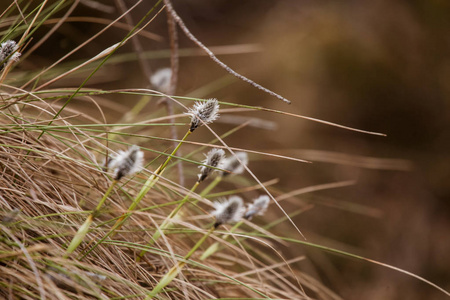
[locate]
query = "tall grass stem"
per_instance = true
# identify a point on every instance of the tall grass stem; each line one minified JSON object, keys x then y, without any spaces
{"x":83,"y":230}
{"x":148,"y":185}
{"x":175,"y":270}
{"x":167,"y":222}
{"x":214,"y":247}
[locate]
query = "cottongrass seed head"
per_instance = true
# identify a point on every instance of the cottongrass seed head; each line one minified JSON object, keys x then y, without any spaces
{"x":258,"y":207}
{"x":160,"y":80}
{"x":203,"y":113}
{"x":232,"y":166}
{"x":228,"y":211}
{"x":127,"y":162}
{"x":8,"y":53}
{"x":213,"y":160}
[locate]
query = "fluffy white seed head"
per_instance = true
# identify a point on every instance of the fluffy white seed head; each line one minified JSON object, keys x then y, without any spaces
{"x":258,"y":207}
{"x":213,"y":160}
{"x":232,"y":166}
{"x":8,"y":53}
{"x":160,"y":80}
{"x":228,"y":211}
{"x":203,"y":113}
{"x":127,"y":162}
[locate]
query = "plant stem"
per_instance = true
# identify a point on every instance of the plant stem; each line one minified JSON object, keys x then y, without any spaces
{"x":176,"y":149}
{"x":167,"y":222}
{"x":105,"y":196}
{"x":214,"y":247}
{"x":83,"y":230}
{"x":148,"y":185}
{"x":151,"y":181}
{"x":212,"y":185}
{"x":100,"y":65}
{"x":175,"y":270}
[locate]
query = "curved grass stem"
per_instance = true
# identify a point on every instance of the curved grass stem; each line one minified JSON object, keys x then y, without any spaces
{"x":148,"y":185}
{"x":168,"y":221}
{"x":83,"y":230}
{"x":208,"y":189}
{"x":176,"y":269}
{"x":214,"y":247}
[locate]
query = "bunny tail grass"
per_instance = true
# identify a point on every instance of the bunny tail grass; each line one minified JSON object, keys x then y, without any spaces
{"x":258,"y":207}
{"x":148,"y":185}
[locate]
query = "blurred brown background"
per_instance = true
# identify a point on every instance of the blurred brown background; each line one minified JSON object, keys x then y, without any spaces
{"x":378,"y":65}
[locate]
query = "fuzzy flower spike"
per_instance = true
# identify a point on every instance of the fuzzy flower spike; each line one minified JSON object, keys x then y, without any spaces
{"x":228,"y":211}
{"x":8,"y":53}
{"x":212,"y":161}
{"x":127,"y":162}
{"x":160,"y":80}
{"x":232,"y":166}
{"x":258,"y":207}
{"x":203,"y":113}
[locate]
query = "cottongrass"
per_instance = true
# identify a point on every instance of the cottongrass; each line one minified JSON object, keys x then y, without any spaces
{"x":8,"y":53}
{"x":233,"y":165}
{"x":48,"y":187}
{"x":203,"y":113}
{"x":127,"y":162}
{"x":227,"y":211}
{"x":212,"y":161}
{"x":124,"y":164}
{"x":50,"y":181}
{"x":160,"y":80}
{"x":38,"y":220}
{"x":258,"y":207}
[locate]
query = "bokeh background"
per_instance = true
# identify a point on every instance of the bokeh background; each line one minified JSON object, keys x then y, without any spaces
{"x":380,"y":65}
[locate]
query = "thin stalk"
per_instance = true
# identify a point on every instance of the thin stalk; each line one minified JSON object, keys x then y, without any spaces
{"x":168,"y":221}
{"x":214,"y":247}
{"x":105,"y":196}
{"x":185,"y":199}
{"x":151,"y":181}
{"x":176,"y":149}
{"x":100,"y":65}
{"x":137,"y":108}
{"x":148,"y":185}
{"x":83,"y":230}
{"x":208,"y":189}
{"x":175,"y":270}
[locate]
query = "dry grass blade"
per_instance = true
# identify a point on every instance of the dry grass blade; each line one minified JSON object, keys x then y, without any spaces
{"x":25,"y":252}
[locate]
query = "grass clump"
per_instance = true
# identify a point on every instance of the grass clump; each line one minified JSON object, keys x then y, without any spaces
{"x":84,"y":218}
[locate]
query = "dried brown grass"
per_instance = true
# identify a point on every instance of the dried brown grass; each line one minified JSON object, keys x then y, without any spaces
{"x":55,"y":181}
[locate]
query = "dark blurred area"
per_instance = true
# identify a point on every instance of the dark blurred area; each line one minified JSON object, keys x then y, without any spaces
{"x":381,"y":66}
